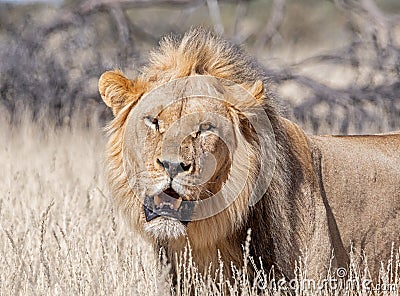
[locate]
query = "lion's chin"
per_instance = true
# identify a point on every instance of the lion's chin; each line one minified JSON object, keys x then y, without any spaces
{"x":165,"y":228}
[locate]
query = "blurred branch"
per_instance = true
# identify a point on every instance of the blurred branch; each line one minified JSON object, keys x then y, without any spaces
{"x":369,"y":25}
{"x":122,"y":24}
{"x":121,"y":21}
{"x":272,"y":27}
{"x":241,"y":9}
{"x":71,"y":17}
{"x":215,"y":15}
{"x":373,"y":55}
{"x":126,"y":4}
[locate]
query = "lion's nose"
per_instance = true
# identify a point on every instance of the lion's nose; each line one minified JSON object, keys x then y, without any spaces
{"x":174,"y":168}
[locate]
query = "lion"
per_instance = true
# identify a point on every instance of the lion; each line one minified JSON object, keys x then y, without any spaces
{"x":325,"y":195}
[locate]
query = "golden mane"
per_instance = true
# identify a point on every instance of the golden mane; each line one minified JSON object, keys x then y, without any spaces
{"x":200,"y":52}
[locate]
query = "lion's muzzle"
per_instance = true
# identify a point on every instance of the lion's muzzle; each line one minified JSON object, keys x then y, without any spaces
{"x":167,"y":203}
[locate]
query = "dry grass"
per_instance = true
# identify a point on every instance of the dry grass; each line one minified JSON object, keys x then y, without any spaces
{"x":59,"y":235}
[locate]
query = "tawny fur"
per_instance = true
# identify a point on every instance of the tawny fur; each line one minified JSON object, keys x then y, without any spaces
{"x":320,"y":189}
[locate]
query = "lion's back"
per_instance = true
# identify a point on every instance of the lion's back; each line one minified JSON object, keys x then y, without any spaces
{"x":361,"y":181}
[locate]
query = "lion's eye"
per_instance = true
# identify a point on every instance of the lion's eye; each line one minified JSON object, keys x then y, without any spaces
{"x":205,"y":126}
{"x":152,"y":122}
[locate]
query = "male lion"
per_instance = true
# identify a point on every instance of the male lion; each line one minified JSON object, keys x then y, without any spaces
{"x":188,"y":112}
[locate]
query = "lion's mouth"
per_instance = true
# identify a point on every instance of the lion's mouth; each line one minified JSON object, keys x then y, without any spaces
{"x":167,"y":203}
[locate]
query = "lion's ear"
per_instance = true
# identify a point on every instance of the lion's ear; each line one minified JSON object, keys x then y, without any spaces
{"x":257,"y":90}
{"x":116,"y":90}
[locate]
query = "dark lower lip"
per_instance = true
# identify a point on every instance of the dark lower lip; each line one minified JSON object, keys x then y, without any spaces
{"x":151,"y":211}
{"x":149,"y":214}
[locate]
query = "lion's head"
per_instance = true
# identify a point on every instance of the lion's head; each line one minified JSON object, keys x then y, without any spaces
{"x":184,"y":154}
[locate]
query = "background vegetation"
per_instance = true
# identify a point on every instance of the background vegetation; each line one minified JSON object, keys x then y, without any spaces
{"x":335,"y":66}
